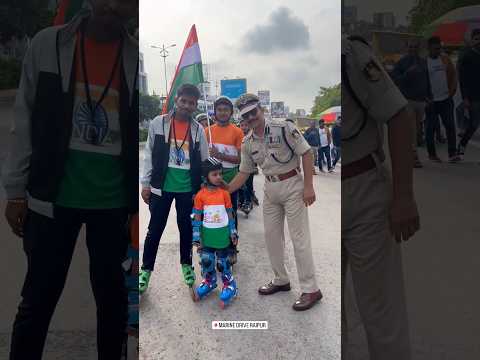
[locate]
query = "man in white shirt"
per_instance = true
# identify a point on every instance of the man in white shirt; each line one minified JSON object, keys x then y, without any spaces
{"x":324,"y":148}
{"x":443,"y":86}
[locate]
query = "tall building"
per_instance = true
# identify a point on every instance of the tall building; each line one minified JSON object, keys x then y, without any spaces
{"x":349,"y":15}
{"x":142,"y":76}
{"x":300,"y":112}
{"x":384,"y":20}
{"x":207,"y":88}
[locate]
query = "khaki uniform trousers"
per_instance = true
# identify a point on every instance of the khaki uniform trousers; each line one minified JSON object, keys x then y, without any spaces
{"x":284,"y":199}
{"x":375,"y":264}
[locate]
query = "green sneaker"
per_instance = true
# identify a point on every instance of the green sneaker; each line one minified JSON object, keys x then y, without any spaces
{"x":143,"y":280}
{"x":188,"y":274}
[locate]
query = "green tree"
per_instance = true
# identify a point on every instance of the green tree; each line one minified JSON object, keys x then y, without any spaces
{"x":9,"y":73}
{"x":24,"y":18}
{"x":20,"y":19}
{"x":427,"y":11}
{"x":326,"y":98}
{"x":149,"y":107}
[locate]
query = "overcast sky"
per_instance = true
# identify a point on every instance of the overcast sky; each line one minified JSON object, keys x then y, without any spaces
{"x":290,"y":47}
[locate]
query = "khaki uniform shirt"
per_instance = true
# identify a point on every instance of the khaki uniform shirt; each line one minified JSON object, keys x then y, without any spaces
{"x":271,"y":152}
{"x":377,"y":94}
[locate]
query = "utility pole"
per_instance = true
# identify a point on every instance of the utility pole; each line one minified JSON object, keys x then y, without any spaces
{"x":164,"y":54}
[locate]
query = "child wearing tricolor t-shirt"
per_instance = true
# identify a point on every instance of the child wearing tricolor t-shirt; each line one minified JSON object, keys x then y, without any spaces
{"x":213,"y":229}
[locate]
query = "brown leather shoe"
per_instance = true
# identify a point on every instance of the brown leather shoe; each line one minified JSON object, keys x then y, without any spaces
{"x":271,"y":288}
{"x":307,"y":300}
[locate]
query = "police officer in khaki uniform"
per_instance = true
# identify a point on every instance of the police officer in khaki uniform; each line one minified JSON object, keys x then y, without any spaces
{"x":277,"y":147}
{"x":378,"y":210}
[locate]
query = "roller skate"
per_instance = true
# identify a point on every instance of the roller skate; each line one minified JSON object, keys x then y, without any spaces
{"x":189,"y":278}
{"x":143,"y":280}
{"x":229,"y":290}
{"x":246,"y":207}
{"x":206,"y":287}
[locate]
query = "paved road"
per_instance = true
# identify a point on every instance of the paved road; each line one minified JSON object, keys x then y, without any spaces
{"x":173,"y":327}
{"x":441,"y":264}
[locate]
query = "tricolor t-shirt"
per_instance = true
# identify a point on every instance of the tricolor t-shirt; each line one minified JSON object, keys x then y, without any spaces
{"x":228,"y":140}
{"x":94,"y":175}
{"x":214,"y":203}
{"x":178,"y":177}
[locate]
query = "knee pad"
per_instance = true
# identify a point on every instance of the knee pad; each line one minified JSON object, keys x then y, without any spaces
{"x":207,"y":261}
{"x":223,"y":265}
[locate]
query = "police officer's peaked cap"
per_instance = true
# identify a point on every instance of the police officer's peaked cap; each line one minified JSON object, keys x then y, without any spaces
{"x":246,"y":103}
{"x":211,"y":164}
{"x":222,"y":100}
{"x":201,"y":117}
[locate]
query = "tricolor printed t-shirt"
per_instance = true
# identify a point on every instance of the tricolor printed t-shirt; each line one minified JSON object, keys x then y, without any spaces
{"x":178,"y":177}
{"x":94,"y":175}
{"x":215,"y":231}
{"x":228,"y":140}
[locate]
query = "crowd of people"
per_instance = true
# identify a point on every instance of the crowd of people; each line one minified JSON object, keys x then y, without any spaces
{"x":212,"y":162}
{"x":325,"y":143}
{"x":430,"y":84}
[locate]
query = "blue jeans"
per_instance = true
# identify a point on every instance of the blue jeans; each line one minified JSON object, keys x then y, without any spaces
{"x":338,"y":153}
{"x":444,"y":110}
{"x":325,"y":150}
{"x":473,"y":124}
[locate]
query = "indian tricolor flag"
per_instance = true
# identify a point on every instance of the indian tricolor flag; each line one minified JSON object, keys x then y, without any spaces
{"x":214,"y":203}
{"x":189,"y":69}
{"x":215,"y":223}
{"x":66,"y":10}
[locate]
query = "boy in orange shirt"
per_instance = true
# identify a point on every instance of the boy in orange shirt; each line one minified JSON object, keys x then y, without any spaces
{"x":213,"y":229}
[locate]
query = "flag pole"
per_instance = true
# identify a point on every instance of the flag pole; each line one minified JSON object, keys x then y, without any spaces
{"x":208,"y":117}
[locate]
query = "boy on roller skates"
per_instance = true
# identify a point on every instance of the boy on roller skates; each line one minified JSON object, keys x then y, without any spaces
{"x":213,"y":229}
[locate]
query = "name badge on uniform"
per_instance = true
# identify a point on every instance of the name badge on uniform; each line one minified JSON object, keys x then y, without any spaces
{"x":274,"y":141}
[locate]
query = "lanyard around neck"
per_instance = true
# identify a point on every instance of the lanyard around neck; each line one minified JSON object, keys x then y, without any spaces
{"x":93,"y":107}
{"x":178,"y":148}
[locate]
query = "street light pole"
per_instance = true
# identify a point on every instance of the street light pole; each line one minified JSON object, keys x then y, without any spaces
{"x":164,"y":53}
